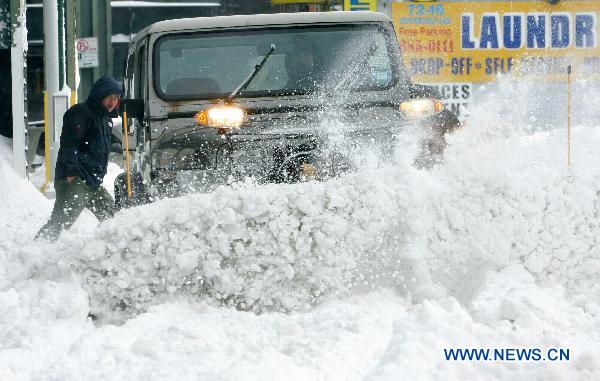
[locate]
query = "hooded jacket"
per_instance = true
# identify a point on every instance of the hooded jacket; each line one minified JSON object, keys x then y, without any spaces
{"x":85,"y":140}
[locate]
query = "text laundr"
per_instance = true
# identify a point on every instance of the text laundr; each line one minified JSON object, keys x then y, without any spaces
{"x":534,"y":30}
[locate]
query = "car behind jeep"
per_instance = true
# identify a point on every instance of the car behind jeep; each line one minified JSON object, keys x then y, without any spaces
{"x":214,"y":100}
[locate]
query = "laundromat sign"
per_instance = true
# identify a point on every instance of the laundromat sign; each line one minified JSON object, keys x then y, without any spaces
{"x":476,"y":41}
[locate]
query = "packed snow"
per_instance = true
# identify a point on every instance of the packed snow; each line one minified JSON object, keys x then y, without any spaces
{"x":367,"y":276}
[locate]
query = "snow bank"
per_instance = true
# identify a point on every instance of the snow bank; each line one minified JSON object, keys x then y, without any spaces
{"x":39,"y":320}
{"x":495,"y":248}
{"x":508,"y":311}
{"x":22,"y":208}
{"x":503,"y":196}
{"x":276,"y":247}
{"x":498,"y":200}
{"x":183,"y":340}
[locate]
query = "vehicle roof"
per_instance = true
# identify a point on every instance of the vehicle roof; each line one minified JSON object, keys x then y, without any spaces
{"x":218,"y":22}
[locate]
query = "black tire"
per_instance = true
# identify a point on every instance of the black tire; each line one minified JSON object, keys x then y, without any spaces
{"x":119,"y":192}
{"x":138,"y":190}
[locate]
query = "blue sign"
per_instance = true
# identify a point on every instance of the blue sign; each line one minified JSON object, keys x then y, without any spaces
{"x":360,"y":5}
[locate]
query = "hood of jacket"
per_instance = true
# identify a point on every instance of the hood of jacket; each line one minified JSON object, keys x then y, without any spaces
{"x":102,"y":88}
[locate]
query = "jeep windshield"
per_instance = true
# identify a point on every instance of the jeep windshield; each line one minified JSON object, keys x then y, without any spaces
{"x":307,"y":59}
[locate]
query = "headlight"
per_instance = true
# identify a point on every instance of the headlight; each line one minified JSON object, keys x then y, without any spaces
{"x":308,"y":170}
{"x":417,"y":108}
{"x":221,"y":117}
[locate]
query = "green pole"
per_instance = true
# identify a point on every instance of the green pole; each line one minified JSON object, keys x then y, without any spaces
{"x":70,"y":13}
{"x":95,"y":20}
{"x":61,"y":48}
{"x":108,"y":38}
{"x":5,"y":33}
{"x":84,"y":29}
{"x":102,"y":28}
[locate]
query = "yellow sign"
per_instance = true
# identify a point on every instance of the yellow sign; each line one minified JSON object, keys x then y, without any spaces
{"x":360,"y":5}
{"x":475,"y":41}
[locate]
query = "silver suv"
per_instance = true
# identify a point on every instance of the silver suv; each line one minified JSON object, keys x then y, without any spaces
{"x":215,"y":100}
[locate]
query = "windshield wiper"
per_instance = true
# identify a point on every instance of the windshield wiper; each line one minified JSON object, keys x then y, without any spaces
{"x":249,"y":78}
{"x":356,"y":68}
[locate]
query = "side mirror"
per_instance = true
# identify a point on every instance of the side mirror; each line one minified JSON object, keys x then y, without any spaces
{"x":133,"y":107}
{"x":417,"y":91}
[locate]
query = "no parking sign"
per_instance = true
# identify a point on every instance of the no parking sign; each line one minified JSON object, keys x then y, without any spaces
{"x":87,"y":52}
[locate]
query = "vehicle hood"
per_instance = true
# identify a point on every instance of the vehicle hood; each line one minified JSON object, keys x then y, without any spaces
{"x":278,"y":123}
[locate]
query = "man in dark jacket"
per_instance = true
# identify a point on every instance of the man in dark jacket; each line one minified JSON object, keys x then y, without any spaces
{"x":300,"y":66}
{"x":85,"y":143}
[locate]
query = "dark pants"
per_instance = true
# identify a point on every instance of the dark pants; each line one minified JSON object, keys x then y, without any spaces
{"x":71,"y":199}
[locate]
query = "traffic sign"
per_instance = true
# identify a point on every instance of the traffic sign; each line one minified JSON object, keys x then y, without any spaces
{"x":87,"y":52}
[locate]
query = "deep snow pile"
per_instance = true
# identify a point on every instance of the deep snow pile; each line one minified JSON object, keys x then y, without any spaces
{"x":20,"y":204}
{"x":428,"y":234}
{"x":496,"y":248}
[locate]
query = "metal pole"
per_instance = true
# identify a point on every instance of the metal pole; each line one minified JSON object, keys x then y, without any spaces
{"x":85,"y":23}
{"x":61,"y":44}
{"x":108,"y":38}
{"x":51,"y":69}
{"x":17,"y":64}
{"x":96,"y":32}
{"x":385,"y":6}
{"x":70,"y":49}
{"x":127,"y":165}
{"x":95,"y":21}
{"x":48,"y":178}
{"x":569,"y":115}
{"x":102,"y":29}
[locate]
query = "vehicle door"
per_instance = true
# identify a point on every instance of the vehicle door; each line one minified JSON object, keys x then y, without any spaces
{"x":136,"y":87}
